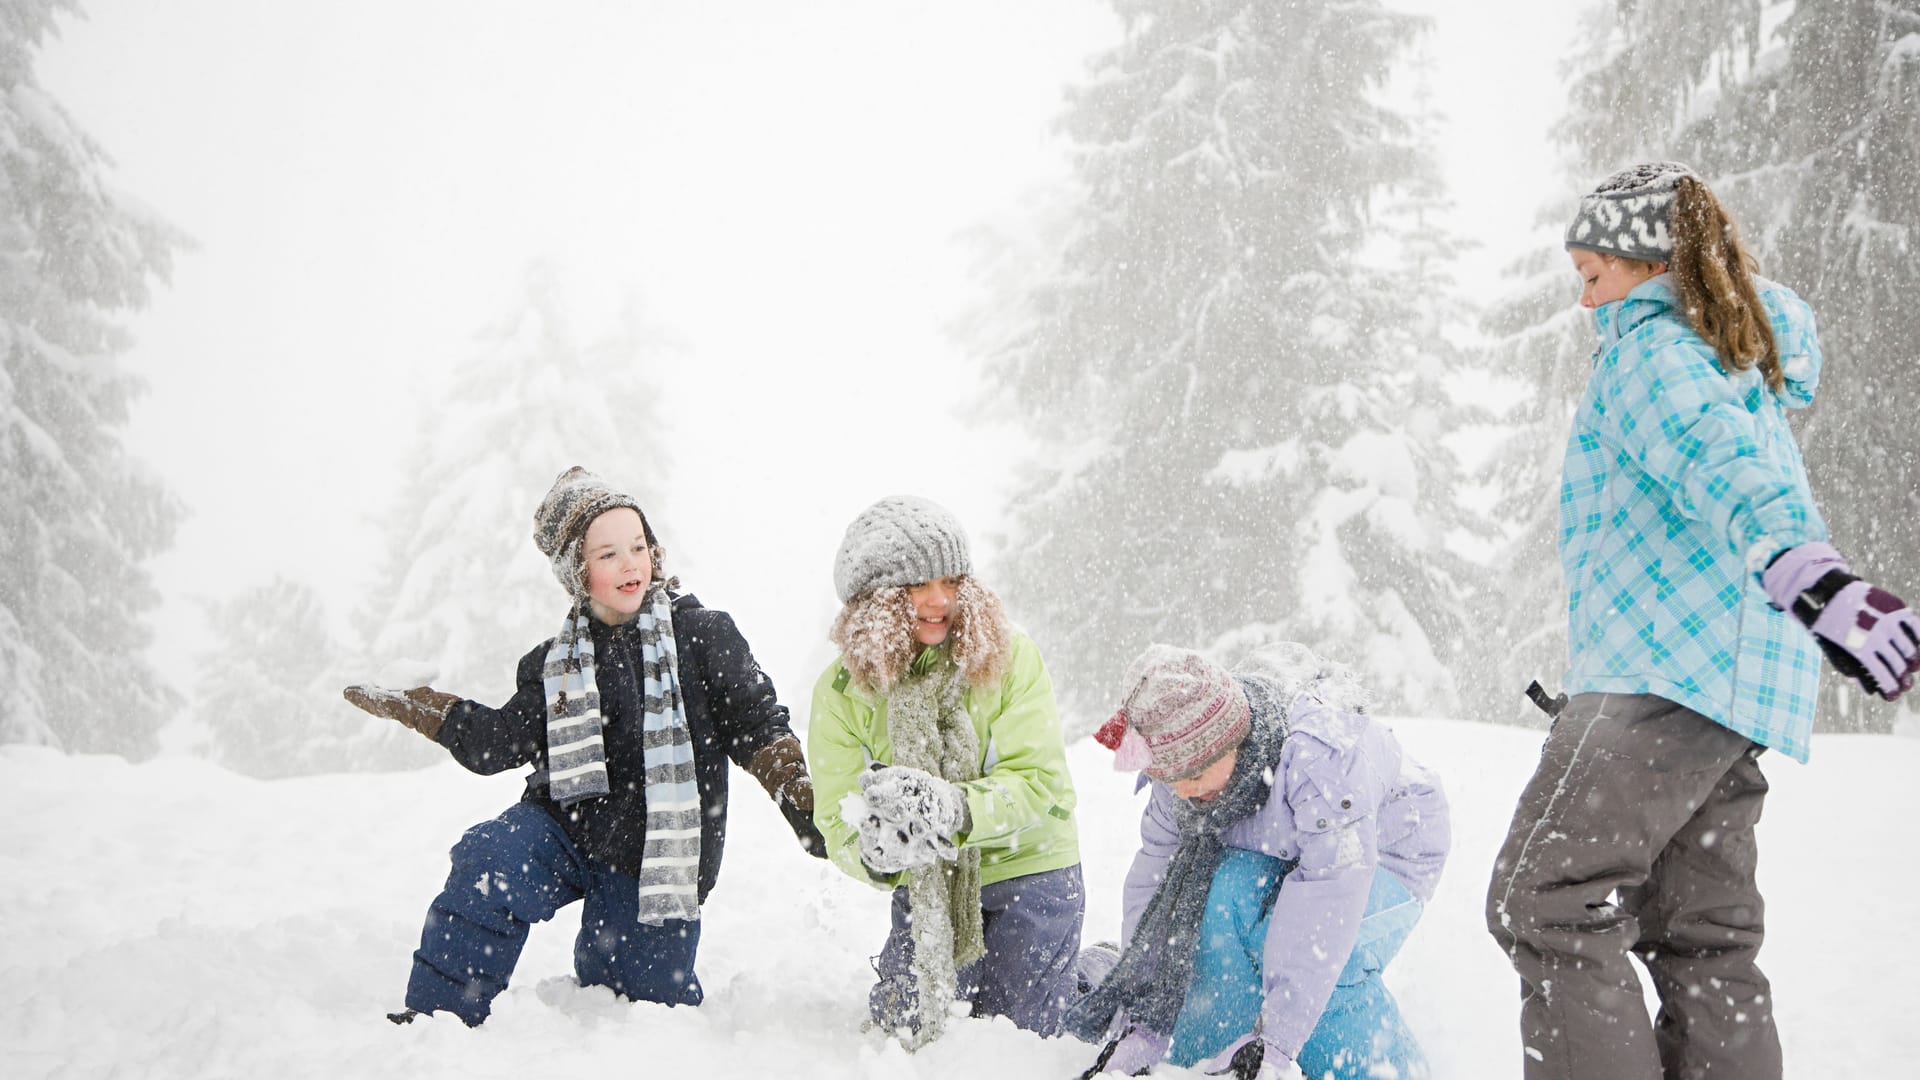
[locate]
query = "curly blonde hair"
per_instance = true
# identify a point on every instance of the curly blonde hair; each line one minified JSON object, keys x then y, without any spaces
{"x":875,"y":635}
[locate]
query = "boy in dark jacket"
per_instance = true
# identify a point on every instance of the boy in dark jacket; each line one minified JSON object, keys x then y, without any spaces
{"x":628,"y":717}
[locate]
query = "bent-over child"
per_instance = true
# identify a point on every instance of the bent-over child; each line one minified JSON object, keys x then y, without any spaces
{"x":1287,"y":849}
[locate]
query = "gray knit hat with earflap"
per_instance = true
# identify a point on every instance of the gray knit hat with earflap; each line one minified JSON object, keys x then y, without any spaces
{"x":900,"y":540}
{"x":560,"y":523}
{"x":1628,"y":215}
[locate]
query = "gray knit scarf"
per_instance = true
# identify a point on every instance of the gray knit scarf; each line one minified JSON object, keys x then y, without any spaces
{"x":577,"y":762}
{"x":928,"y":724}
{"x":1149,"y":984}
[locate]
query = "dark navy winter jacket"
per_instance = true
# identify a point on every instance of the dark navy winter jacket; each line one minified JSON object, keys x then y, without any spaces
{"x":731,"y":710}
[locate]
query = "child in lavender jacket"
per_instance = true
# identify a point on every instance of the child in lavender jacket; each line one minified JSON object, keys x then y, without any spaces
{"x":1287,"y":849}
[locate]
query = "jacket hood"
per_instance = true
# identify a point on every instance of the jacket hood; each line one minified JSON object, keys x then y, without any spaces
{"x":1650,"y":299}
{"x":1790,"y":317}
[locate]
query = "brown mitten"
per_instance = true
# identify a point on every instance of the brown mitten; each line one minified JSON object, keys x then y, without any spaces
{"x":422,"y":708}
{"x":782,"y":770}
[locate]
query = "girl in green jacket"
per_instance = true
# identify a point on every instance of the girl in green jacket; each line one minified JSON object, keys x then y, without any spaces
{"x":940,"y":773}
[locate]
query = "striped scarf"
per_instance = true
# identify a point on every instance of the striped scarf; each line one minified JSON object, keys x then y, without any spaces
{"x":577,"y":762}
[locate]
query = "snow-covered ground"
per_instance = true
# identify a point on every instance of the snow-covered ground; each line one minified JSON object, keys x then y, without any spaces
{"x":172,"y":919}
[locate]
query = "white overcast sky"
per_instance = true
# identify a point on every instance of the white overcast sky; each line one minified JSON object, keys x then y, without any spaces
{"x":782,"y":185}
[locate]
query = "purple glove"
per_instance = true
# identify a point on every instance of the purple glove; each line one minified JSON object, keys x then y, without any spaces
{"x":1132,"y":1054}
{"x":1868,"y":634}
{"x":1251,"y":1058}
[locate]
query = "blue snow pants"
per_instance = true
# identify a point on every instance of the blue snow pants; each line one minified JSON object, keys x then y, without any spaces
{"x":522,"y":868}
{"x":1032,"y":929}
{"x":1361,"y":1033}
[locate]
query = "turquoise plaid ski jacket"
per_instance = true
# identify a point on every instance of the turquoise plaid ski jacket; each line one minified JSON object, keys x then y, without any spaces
{"x":1680,"y":483}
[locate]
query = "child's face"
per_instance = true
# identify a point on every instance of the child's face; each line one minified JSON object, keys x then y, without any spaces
{"x":1605,"y":278}
{"x":619,"y":566}
{"x":933,"y":608}
{"x":1211,"y":782}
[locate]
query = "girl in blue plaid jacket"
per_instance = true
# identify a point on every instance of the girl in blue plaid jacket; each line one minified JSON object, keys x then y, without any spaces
{"x":1701,"y":592}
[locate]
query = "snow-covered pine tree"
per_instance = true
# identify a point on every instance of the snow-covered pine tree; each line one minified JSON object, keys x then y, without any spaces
{"x":1810,"y":130}
{"x":269,"y":699}
{"x":462,"y":588}
{"x":81,"y":517}
{"x":1640,"y":70}
{"x":1238,"y":394}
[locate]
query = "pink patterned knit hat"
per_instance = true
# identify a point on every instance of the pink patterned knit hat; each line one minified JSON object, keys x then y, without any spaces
{"x":1181,"y":713}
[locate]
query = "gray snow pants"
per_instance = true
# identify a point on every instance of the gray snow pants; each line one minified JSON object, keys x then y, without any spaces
{"x":1636,"y":834}
{"x":1029,"y":974}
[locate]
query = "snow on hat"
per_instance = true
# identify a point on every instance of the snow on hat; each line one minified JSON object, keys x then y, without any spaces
{"x":900,"y":540}
{"x":1628,"y":214}
{"x":560,"y":524}
{"x":1182,"y":709}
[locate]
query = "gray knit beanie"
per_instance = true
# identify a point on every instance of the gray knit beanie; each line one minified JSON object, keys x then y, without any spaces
{"x":900,"y":540}
{"x":1628,"y":215}
{"x":560,"y":523}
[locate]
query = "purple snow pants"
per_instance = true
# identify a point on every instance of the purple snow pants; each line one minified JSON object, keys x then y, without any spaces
{"x":1636,"y":834}
{"x":1028,"y":975}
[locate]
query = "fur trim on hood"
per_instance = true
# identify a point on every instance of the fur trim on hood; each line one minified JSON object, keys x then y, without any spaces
{"x":875,"y":635}
{"x":1294,"y":669}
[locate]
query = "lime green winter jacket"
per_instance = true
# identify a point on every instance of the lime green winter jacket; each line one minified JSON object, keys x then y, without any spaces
{"x":1022,"y":805}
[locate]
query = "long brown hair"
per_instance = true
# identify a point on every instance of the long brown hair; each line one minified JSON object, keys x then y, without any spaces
{"x":1713,"y":273}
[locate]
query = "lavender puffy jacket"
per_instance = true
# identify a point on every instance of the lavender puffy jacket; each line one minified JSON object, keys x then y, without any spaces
{"x":1347,"y":801}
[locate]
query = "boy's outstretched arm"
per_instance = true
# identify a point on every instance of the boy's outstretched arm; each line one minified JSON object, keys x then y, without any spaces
{"x":488,"y":740}
{"x":483,"y":739}
{"x":759,"y":737}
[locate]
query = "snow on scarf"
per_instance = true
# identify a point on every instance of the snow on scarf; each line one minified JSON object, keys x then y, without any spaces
{"x":577,"y":762}
{"x":928,"y":724}
{"x":1149,"y":984}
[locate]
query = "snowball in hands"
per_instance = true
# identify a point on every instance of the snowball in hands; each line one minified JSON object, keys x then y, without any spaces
{"x":907,"y":818}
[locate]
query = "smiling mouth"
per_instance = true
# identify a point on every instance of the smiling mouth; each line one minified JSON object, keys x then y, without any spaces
{"x":630,"y":587}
